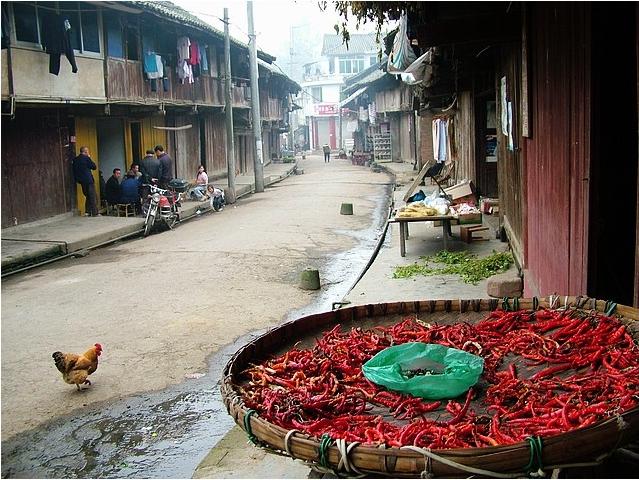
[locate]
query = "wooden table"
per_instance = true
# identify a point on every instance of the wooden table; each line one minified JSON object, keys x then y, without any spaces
{"x":403,"y":228}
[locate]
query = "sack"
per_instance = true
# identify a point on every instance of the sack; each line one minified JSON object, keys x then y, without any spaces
{"x":416,"y":197}
{"x":400,"y":368}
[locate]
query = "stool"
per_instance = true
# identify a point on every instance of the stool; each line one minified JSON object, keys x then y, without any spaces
{"x":125,"y":209}
{"x":466,"y":233}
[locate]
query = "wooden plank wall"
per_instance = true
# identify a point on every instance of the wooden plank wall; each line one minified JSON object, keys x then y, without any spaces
{"x":557,"y":154}
{"x":509,"y":163}
{"x":37,"y":178}
{"x":465,"y":137}
{"x":215,"y":143}
{"x":184,"y":146}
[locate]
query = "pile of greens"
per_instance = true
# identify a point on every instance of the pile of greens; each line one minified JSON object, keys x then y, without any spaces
{"x":470,"y":268}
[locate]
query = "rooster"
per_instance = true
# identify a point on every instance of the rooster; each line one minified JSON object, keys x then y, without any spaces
{"x":76,"y":368}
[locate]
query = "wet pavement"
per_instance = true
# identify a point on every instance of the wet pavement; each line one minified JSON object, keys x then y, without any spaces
{"x":165,"y":434}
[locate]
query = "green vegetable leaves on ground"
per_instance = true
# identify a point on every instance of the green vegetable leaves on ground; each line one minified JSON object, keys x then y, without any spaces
{"x":470,"y":268}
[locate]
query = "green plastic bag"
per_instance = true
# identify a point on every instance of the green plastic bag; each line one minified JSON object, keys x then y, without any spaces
{"x":453,"y":371}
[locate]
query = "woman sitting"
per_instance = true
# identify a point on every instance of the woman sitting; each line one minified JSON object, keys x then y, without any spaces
{"x":198,"y":192}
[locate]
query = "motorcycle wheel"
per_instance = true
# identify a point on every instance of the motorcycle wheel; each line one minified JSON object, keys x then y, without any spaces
{"x":150,"y":220}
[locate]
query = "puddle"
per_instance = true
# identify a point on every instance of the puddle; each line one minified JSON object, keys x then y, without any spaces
{"x":164,"y":434}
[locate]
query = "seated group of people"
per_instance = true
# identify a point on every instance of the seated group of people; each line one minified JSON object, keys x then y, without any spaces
{"x":130,"y":190}
{"x":127,"y":191}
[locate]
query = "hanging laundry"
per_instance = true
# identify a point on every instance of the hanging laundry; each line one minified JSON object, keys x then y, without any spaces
{"x":194,"y":53}
{"x":435,"y":128}
{"x":443,"y":140}
{"x":204,"y":62}
{"x":151,"y":66}
{"x":56,"y":40}
{"x":183,"y":48}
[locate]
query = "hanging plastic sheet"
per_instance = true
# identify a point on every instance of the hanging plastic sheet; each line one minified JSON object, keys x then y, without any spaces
{"x":402,"y":55}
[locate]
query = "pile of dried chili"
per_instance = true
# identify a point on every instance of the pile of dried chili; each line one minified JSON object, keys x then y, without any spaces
{"x":545,"y":372}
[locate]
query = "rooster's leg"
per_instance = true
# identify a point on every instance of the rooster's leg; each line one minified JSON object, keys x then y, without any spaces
{"x":78,"y":386}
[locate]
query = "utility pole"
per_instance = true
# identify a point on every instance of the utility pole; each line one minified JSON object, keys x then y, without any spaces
{"x":255,"y":103}
{"x":228,"y":107}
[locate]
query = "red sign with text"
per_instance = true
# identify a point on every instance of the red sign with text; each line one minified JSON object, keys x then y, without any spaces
{"x":326,"y":109}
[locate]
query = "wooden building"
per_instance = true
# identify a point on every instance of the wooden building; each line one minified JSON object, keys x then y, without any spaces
{"x":391,"y":101}
{"x":111,"y":104}
{"x":562,"y":77}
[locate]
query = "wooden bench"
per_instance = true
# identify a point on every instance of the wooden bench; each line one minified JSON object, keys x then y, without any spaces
{"x":466,"y":233}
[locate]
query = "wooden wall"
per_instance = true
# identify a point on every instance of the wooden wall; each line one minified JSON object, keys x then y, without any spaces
{"x":184,"y":146}
{"x":465,"y":137}
{"x":509,"y":162}
{"x":37,"y":178}
{"x":557,"y":153}
{"x":215,"y":143}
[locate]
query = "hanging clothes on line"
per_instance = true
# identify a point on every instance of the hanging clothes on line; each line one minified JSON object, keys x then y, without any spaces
{"x":441,"y":140}
{"x":56,"y":40}
{"x":184,"y":67}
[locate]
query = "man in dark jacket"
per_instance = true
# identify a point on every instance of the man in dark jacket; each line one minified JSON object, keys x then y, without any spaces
{"x":82,"y":166}
{"x":113,"y":188}
{"x":166,"y":166}
{"x":150,"y":167}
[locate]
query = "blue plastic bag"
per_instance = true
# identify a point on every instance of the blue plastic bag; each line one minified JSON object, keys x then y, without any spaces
{"x":452,"y":371}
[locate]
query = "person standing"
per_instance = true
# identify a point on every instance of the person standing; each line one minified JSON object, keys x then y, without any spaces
{"x":166,"y":166}
{"x":82,"y":166}
{"x":150,"y":167}
{"x":113,"y":189}
{"x":327,"y":153}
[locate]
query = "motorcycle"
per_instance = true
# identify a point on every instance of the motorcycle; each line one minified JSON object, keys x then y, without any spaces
{"x":162,"y":206}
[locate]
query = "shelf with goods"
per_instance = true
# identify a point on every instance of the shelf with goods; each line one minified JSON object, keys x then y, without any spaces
{"x":382,"y":147}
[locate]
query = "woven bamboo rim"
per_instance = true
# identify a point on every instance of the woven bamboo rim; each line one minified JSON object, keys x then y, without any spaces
{"x":582,"y":447}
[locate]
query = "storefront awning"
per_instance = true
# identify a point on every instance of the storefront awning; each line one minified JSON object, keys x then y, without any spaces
{"x":352,"y":97}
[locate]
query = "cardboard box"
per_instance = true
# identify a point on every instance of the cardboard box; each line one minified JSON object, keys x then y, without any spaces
{"x":485,"y":204}
{"x":468,"y":218}
{"x":463,"y":192}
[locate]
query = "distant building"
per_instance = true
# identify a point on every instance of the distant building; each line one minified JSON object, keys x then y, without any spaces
{"x":323,"y":80}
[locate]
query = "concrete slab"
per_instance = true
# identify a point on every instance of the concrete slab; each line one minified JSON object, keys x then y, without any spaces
{"x":15,"y":252}
{"x":236,"y":457}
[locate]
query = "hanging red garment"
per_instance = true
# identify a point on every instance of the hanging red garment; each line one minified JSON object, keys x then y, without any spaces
{"x":194,"y":53}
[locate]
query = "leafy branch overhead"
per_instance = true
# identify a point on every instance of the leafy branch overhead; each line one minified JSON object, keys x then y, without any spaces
{"x":378,"y":13}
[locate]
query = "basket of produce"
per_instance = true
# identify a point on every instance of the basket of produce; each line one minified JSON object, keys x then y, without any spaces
{"x":443,"y":388}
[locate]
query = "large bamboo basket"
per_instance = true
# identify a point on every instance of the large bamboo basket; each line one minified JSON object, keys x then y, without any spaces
{"x":587,"y":445}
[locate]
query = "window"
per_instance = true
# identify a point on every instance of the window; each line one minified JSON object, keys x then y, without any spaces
{"x":351,"y":65}
{"x":372,"y":60}
{"x":26,"y":23}
{"x":115,"y":44}
{"x":83,"y":18}
{"x":132,"y":49}
{"x":316,"y":94}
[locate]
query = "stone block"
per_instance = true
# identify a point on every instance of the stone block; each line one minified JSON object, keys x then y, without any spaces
{"x":507,"y":284}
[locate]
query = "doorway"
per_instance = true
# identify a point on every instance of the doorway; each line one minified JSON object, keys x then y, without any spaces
{"x":486,"y":145}
{"x":136,"y":141}
{"x":111,"y":151}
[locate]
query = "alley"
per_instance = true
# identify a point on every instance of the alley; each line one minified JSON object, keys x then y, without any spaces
{"x":166,"y":310}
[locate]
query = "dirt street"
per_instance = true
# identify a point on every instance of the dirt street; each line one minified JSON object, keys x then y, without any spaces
{"x":161,"y":306}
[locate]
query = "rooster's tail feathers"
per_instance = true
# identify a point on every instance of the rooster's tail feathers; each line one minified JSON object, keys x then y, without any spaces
{"x":58,"y":358}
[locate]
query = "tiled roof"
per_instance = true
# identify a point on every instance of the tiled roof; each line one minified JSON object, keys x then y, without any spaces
{"x":359,"y":43}
{"x":274,"y":69}
{"x":366,"y":77}
{"x":171,"y":11}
